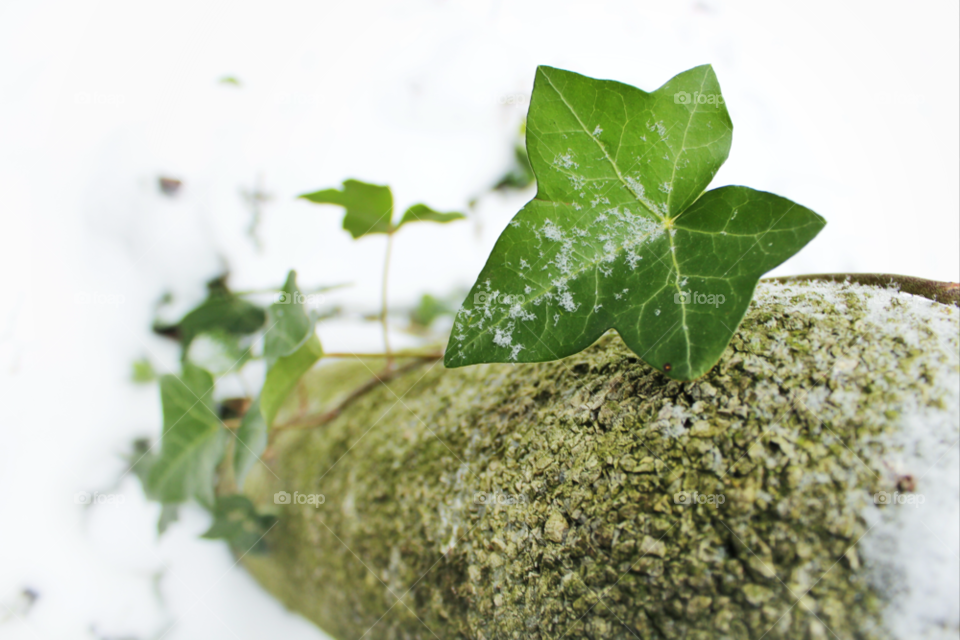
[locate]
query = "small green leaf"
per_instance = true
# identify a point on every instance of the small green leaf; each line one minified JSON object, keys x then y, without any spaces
{"x":423,"y":213}
{"x":235,"y":520}
{"x":143,"y":371}
{"x":193,"y":439}
{"x":621,"y":234}
{"x":251,"y":442}
{"x":369,"y":206}
{"x":284,"y":374}
{"x":429,"y":309}
{"x":288,"y":325}
{"x":221,"y":311}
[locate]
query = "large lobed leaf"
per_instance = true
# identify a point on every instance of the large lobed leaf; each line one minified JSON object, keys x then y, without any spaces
{"x":621,"y":234}
{"x":193,"y":439}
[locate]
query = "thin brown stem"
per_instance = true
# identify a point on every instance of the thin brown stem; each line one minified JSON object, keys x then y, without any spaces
{"x":310,"y":422}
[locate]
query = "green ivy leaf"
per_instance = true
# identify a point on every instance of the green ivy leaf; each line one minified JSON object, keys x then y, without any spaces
{"x":236,"y":520}
{"x":193,"y":439}
{"x":621,"y":234}
{"x":219,"y":352}
{"x":428,"y":310}
{"x":288,"y":325}
{"x":251,"y":442}
{"x":284,"y":374}
{"x":369,"y":206}
{"x":423,"y":213}
{"x":222,"y":311}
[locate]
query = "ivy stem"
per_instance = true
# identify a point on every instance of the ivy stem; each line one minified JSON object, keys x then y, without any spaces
{"x":383,"y":301}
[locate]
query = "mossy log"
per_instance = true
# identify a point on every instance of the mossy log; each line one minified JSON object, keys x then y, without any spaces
{"x":595,"y":498}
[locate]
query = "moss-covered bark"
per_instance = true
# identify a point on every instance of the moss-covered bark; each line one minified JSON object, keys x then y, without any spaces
{"x":547,"y":500}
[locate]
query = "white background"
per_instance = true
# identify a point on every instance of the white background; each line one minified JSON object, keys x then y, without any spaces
{"x":848,"y":108}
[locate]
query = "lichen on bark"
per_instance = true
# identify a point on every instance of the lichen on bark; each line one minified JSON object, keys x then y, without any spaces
{"x":594,"y":498}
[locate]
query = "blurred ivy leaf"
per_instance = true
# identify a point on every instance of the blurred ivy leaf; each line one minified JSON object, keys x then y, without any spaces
{"x":369,"y":206}
{"x":428,"y":310}
{"x":236,"y":520}
{"x":423,"y":213}
{"x":250,"y":444}
{"x":193,"y":439}
{"x":221,"y":311}
{"x":140,"y":459}
{"x":219,"y":352}
{"x":143,"y":371}
{"x":621,"y":234}
{"x":289,"y":324}
{"x":284,"y":374}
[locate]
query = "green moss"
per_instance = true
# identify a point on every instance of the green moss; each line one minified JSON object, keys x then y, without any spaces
{"x":541,"y":501}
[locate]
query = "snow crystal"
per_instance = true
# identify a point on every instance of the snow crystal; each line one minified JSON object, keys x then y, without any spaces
{"x":565,"y":160}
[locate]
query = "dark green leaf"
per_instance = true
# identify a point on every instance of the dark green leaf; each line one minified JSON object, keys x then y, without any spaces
{"x":423,"y":213}
{"x":369,"y":206}
{"x":284,"y":374}
{"x":219,"y":352}
{"x":288,"y":325}
{"x":251,"y":442}
{"x":221,"y":311}
{"x":235,"y":520}
{"x":193,"y":439}
{"x":617,"y":237}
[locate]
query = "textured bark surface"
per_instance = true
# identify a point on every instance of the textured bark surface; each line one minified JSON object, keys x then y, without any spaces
{"x":557,"y":500}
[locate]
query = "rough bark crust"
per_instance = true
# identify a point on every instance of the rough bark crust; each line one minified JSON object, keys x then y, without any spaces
{"x":595,"y":498}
